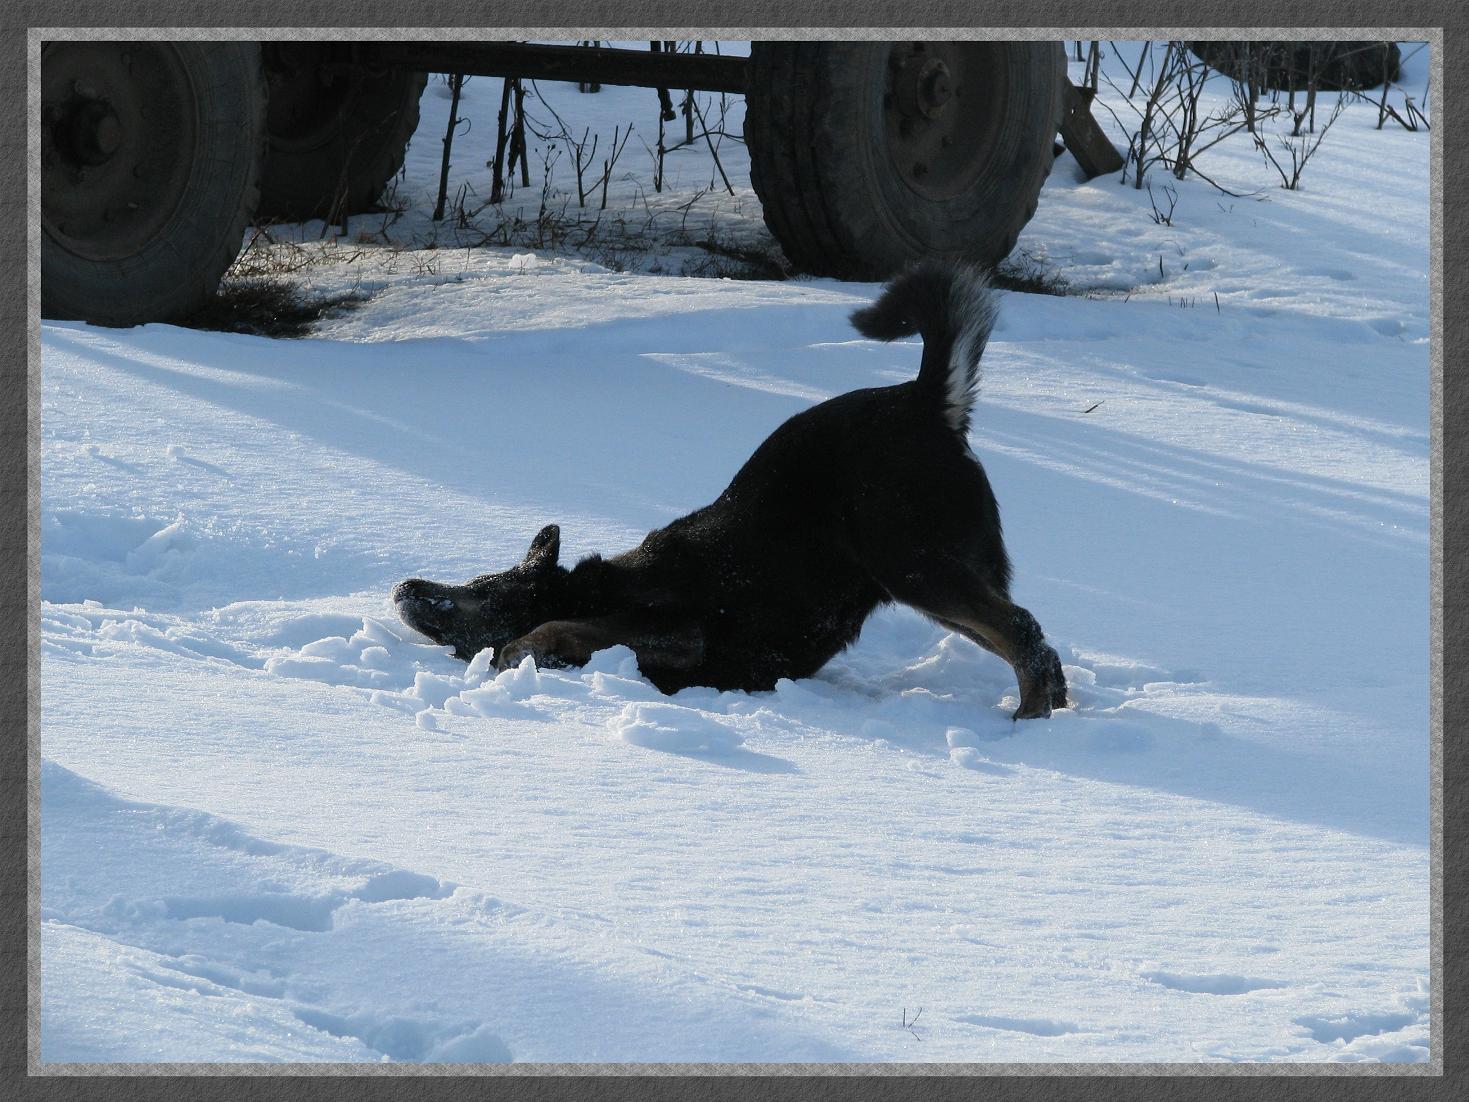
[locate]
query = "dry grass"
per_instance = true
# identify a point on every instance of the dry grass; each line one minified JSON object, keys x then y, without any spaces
{"x":267,"y":307}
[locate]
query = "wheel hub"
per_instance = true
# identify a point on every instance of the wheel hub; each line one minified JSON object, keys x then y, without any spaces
{"x":86,"y":130}
{"x":937,"y":115}
{"x":924,"y":86}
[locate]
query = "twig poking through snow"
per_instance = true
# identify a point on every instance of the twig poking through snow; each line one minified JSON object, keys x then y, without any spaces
{"x":908,"y":1025}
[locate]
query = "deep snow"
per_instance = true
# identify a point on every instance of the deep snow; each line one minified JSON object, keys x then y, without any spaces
{"x":277,"y":825}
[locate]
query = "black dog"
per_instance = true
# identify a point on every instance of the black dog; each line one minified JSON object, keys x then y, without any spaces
{"x":871,"y":497}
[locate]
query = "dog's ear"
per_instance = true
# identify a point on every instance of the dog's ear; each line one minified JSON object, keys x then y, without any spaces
{"x":544,"y":549}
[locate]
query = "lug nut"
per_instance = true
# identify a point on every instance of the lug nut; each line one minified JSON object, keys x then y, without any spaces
{"x":109,"y":134}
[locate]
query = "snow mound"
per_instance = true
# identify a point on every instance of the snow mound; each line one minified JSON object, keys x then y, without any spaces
{"x":675,"y":729}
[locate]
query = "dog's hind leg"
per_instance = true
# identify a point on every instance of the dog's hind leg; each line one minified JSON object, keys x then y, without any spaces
{"x":657,"y":644}
{"x":950,"y":593}
{"x":960,"y":629}
{"x":1013,"y":634}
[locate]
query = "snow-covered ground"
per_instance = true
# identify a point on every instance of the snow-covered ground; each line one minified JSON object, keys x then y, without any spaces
{"x":278,"y":826}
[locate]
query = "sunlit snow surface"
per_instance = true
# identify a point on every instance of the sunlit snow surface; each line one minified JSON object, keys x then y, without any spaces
{"x":279,"y":826}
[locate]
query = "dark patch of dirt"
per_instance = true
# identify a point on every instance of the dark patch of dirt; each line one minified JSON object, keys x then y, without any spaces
{"x":268,"y":308}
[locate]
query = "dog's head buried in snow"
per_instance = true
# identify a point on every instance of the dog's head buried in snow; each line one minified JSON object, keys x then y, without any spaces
{"x":492,"y":609}
{"x":869,"y":498}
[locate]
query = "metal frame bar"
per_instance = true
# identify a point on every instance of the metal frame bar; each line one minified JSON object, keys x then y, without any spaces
{"x":604,"y":65}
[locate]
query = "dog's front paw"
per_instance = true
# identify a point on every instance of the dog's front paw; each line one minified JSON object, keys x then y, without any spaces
{"x":515,"y":652}
{"x":544,"y":646}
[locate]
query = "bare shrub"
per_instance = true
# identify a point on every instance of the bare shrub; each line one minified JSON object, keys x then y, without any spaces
{"x":1172,"y":130}
{"x":1295,"y":150}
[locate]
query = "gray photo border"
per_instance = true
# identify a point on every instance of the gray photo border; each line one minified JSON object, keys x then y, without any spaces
{"x":755,"y":18}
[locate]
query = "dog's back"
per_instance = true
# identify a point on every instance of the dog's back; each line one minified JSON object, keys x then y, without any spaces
{"x":812,"y":530}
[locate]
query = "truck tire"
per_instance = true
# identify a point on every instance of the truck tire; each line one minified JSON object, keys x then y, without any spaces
{"x":150,"y":172}
{"x":869,"y":155}
{"x":337,"y":129}
{"x":1288,"y":66}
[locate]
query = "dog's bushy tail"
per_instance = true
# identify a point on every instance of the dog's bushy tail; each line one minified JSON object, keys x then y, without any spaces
{"x":953,"y":307}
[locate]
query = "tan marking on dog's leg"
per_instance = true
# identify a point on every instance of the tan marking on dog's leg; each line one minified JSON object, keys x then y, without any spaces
{"x":573,"y":642}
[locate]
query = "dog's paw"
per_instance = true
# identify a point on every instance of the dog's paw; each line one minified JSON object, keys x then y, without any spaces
{"x":1057,"y":682}
{"x":1035,"y":709}
{"x":543,"y":646}
{"x":1046,"y":692}
{"x":512,"y":654}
